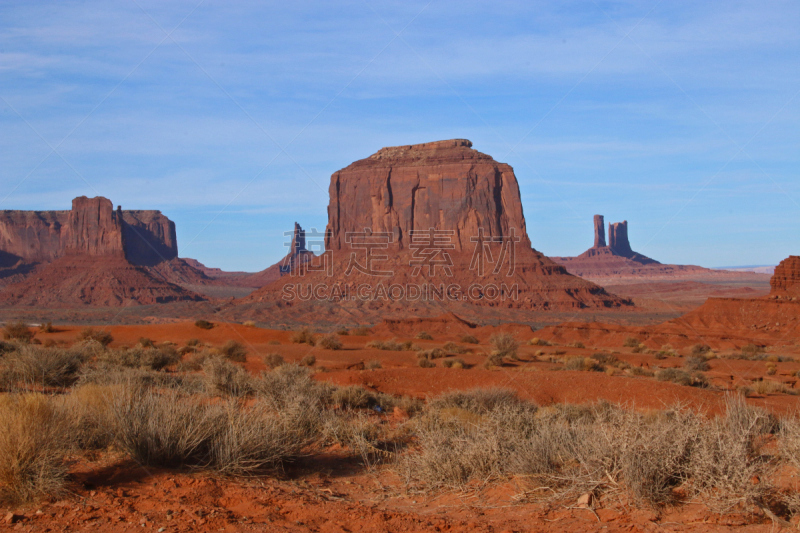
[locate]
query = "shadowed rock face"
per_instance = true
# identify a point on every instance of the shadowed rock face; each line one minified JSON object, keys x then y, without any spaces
{"x":618,"y":239}
{"x":444,"y":185}
{"x":786,"y":279}
{"x":92,"y":228}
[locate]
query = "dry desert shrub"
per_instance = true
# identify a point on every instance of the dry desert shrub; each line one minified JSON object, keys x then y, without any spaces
{"x":767,"y":386}
{"x":164,"y":428}
{"x":631,"y":342}
{"x":682,"y":377}
{"x":360,"y":331}
{"x":435,"y":353}
{"x":390,"y":345}
{"x":50,"y":367}
{"x":308,"y":360}
{"x":234,"y":351}
{"x":727,"y":466}
{"x":34,"y":443}
{"x":425,"y":363}
{"x":221,"y":376}
{"x":249,"y":324}
{"x":100,"y":335}
{"x":304,"y":336}
{"x":330,"y":342}
{"x":203,"y":324}
{"x":254,"y":438}
{"x":90,"y":419}
{"x":583,"y":363}
{"x":373,"y":365}
{"x":504,"y":345}
{"x":455,"y":362}
{"x":289,"y":385}
{"x":451,"y":347}
{"x":153,"y":358}
{"x":274,"y":360}
{"x":695,"y":364}
{"x":424,"y":336}
{"x":17,"y":331}
{"x":469,"y":339}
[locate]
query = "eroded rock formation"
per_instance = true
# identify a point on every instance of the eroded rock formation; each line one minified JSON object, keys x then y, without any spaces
{"x":91,"y":255}
{"x":444,"y":185}
{"x":432,"y":214}
{"x":92,"y":227}
{"x":786,"y":279}
{"x":599,"y":232}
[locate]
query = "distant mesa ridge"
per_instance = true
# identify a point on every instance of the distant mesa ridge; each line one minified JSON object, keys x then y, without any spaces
{"x":91,"y":227}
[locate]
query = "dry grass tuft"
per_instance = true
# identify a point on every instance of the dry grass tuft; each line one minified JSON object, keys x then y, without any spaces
{"x":504,"y":344}
{"x":50,"y":367}
{"x":34,"y":443}
{"x":424,"y":336}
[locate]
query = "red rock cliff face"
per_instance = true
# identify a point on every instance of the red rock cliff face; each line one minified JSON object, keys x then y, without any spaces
{"x":444,"y":185}
{"x":786,"y":278}
{"x":92,"y":227}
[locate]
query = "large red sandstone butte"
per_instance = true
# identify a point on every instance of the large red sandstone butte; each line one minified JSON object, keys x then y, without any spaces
{"x":386,"y":206}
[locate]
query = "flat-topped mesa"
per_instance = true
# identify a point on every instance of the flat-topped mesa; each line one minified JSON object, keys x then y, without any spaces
{"x":443,"y":185}
{"x":599,"y":231}
{"x":93,"y":228}
{"x":786,"y":279}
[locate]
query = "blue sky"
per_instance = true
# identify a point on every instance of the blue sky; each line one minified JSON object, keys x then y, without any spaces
{"x":679,"y":116}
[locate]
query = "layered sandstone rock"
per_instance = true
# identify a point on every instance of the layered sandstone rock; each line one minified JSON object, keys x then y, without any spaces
{"x":92,"y":227}
{"x":434,"y":214}
{"x":92,"y":255}
{"x":786,"y":279}
{"x":444,"y":185}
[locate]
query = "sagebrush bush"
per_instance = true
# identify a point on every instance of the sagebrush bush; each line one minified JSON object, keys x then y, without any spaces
{"x":203,"y":324}
{"x":154,"y":358}
{"x":221,"y":376}
{"x":360,"y":331}
{"x":454,"y":363}
{"x":469,"y":339}
{"x":304,"y":336}
{"x":425,"y":363}
{"x":504,"y":344}
{"x":274,"y":360}
{"x":390,"y":345}
{"x":292,"y":385}
{"x":330,"y":342}
{"x":164,"y":428}
{"x":100,"y":335}
{"x":373,"y":365}
{"x":18,"y":331}
{"x":234,"y":351}
{"x":695,"y":364}
{"x":34,"y":443}
{"x":682,"y":377}
{"x":451,"y":347}
{"x":631,"y":342}
{"x":51,"y":367}
{"x":308,"y":360}
{"x":424,"y":336}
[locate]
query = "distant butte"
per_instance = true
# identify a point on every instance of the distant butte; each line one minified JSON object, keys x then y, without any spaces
{"x":91,"y":255}
{"x":617,"y":260}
